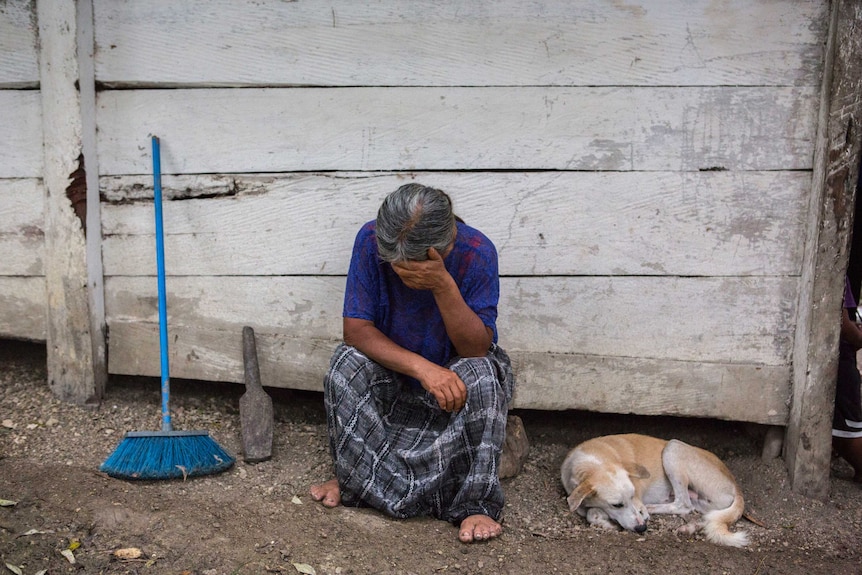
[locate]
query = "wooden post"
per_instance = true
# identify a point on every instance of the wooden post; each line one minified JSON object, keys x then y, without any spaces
{"x":815,"y":354}
{"x":75,"y":332}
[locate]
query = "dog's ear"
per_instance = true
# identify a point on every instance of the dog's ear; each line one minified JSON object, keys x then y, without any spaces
{"x":637,"y":471}
{"x":583,"y":490}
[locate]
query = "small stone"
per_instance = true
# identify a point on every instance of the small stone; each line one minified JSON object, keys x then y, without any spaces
{"x":516,"y":448}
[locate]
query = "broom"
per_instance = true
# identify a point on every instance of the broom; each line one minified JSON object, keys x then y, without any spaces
{"x":165,"y":454}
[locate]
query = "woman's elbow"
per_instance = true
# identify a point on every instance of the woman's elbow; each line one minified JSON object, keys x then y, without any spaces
{"x":478,"y":348}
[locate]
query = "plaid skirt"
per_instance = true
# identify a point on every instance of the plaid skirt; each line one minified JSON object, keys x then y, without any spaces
{"x":395,"y":450}
{"x":847,"y":415}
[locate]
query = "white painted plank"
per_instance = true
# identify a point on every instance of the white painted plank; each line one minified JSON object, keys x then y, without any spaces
{"x":19,"y":64}
{"x":22,"y":238}
{"x":21,"y":144}
{"x":216,"y":354}
{"x":652,"y":387}
{"x":743,"y":320}
{"x":23,"y":301}
{"x":457,"y":43}
{"x":733,"y":320}
{"x":85,"y":39}
{"x":73,"y":366}
{"x":558,"y":223}
{"x":737,"y":392}
{"x":628,"y":129}
{"x":308,"y":307}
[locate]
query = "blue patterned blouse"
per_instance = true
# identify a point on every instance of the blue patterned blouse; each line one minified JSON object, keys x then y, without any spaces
{"x":410,"y":317}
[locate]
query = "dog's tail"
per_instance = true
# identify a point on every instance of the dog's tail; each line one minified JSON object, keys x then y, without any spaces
{"x":716,"y":524}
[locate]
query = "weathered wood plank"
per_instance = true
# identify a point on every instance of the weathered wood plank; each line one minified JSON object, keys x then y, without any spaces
{"x":829,"y":227}
{"x":19,"y":64}
{"x":307,"y":306}
{"x":21,"y":144}
{"x":702,"y":223}
{"x":738,"y":392}
{"x":456,"y":43}
{"x":70,"y":335}
{"x":22,"y":300}
{"x":93,"y":213}
{"x":22,"y":238}
{"x":278,"y":130}
{"x":732,"y":320}
{"x":216,"y":354}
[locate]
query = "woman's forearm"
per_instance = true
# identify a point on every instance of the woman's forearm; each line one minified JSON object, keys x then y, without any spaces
{"x":470,"y":336}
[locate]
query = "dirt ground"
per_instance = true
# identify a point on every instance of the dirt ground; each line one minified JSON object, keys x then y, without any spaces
{"x":260,"y":518}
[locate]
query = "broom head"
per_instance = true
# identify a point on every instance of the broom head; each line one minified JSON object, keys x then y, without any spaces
{"x":166,"y":455}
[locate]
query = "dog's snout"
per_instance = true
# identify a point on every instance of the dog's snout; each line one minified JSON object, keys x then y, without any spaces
{"x":640,"y":528}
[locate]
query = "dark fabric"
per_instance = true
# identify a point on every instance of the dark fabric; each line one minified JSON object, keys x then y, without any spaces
{"x":395,"y":450}
{"x":847,"y":416}
{"x":847,"y":419}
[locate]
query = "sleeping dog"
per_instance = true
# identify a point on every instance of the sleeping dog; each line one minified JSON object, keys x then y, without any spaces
{"x":623,"y":478}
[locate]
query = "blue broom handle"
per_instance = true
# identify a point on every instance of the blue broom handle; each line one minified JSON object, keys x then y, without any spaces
{"x":163,"y":308}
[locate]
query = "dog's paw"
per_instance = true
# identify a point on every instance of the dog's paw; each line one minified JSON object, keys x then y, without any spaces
{"x":689,"y":528}
{"x":598,"y":518}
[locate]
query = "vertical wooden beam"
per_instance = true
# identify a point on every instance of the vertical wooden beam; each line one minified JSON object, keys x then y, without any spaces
{"x":74,"y":373}
{"x":86,"y":44}
{"x":815,"y":354}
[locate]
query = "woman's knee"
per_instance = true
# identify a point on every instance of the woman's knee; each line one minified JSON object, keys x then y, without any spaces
{"x":490,"y":374}
{"x":481,"y":380}
{"x":347,"y":366}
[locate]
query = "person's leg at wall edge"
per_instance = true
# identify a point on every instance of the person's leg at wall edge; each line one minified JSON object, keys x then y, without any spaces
{"x":477,"y":505}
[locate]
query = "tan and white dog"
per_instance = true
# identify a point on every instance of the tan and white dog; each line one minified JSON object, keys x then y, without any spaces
{"x":625,"y":478}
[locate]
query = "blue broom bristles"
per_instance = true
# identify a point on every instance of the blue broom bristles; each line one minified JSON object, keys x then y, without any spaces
{"x":166,"y":455}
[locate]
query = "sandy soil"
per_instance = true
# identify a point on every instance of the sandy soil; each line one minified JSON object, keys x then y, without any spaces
{"x":260,"y":518}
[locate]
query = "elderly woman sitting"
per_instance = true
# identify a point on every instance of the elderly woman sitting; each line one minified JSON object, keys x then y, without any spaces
{"x":417,"y":395}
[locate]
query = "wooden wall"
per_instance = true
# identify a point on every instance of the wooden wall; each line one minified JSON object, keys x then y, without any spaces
{"x":22,"y":237}
{"x":644,"y":170}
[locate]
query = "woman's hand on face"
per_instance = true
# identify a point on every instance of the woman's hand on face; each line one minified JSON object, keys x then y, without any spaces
{"x":446,"y":387}
{"x":430,"y":274}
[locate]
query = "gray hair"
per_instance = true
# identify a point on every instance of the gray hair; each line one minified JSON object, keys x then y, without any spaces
{"x":413,"y":219}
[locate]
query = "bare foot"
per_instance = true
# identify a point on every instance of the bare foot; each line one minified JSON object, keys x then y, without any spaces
{"x":478,"y":528}
{"x":327,"y":493}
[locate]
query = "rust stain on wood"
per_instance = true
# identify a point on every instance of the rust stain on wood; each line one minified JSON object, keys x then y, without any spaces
{"x":836,"y":183}
{"x":77,"y":192}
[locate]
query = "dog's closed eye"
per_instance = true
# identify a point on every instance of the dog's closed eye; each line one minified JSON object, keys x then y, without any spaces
{"x":618,"y":505}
